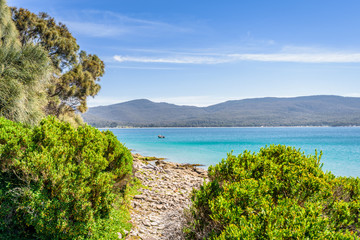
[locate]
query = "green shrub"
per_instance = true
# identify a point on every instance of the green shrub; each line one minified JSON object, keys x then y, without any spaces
{"x":58,"y":182}
{"x":278,"y":193}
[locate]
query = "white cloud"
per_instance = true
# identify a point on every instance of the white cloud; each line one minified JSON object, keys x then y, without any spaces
{"x":300,"y":57}
{"x":199,"y":101}
{"x":224,"y":58}
{"x":352,"y":95}
{"x":121,"y":19}
{"x":95,"y":29}
{"x":110,"y":24}
{"x":178,"y":59}
{"x":143,"y":68}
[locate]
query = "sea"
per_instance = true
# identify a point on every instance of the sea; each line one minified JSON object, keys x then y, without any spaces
{"x":340,"y":146}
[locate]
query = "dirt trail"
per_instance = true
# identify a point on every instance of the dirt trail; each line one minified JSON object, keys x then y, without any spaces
{"x":158,"y":211}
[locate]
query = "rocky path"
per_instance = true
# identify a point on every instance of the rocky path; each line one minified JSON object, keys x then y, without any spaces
{"x":158,"y":211}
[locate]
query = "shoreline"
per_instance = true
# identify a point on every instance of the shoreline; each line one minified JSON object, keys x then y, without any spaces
{"x":165,"y":160}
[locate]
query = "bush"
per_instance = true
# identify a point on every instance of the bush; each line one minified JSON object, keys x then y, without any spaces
{"x":57,"y":182}
{"x":278,"y":193}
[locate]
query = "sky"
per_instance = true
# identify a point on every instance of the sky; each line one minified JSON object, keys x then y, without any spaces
{"x":205,"y":52}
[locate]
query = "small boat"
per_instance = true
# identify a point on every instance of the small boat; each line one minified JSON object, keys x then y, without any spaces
{"x":161,"y":136}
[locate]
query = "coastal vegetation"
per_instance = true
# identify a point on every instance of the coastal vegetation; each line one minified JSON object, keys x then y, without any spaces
{"x":59,"y":178}
{"x":63,"y":179}
{"x":42,"y":70}
{"x":24,"y":73}
{"x":277,"y":193}
{"x":74,"y":73}
{"x":60,"y":182}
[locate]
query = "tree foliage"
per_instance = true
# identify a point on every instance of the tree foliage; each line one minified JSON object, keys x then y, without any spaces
{"x":76,"y":73}
{"x":278,"y":193}
{"x":58,"y":182}
{"x":24,"y":72}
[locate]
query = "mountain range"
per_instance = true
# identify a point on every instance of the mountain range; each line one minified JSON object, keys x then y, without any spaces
{"x":324,"y":110}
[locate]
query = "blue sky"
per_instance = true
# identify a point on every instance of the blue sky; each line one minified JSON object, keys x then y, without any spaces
{"x":205,"y":52}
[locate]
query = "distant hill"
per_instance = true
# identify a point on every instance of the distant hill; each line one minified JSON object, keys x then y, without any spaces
{"x":297,"y":111}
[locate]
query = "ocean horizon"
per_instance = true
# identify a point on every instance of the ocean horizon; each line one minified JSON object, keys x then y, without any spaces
{"x":340,"y":146}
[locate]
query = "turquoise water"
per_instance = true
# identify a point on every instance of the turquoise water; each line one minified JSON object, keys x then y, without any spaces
{"x":340,"y":145}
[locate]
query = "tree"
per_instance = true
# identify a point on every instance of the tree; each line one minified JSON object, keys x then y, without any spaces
{"x":24,"y":73}
{"x":75,"y":73}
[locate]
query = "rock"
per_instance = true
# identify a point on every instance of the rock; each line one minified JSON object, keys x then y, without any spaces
{"x":146,"y":223}
{"x":138,"y":197}
{"x":154,"y":223}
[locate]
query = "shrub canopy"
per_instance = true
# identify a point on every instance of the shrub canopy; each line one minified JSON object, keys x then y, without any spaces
{"x":58,"y":182}
{"x":278,"y":193}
